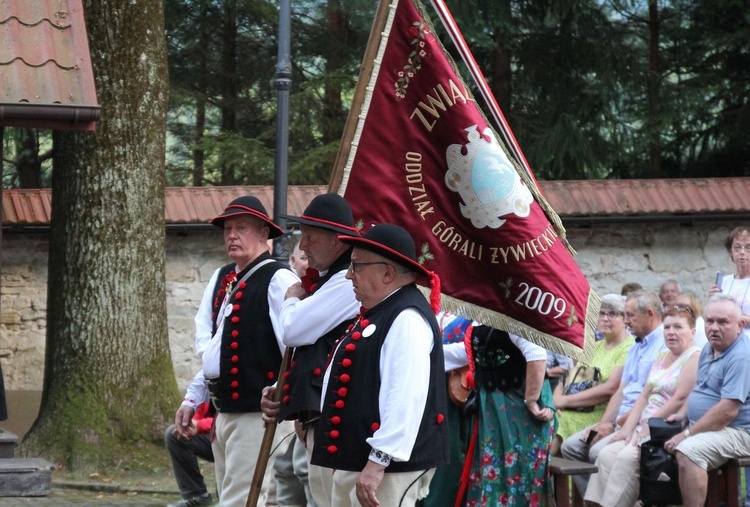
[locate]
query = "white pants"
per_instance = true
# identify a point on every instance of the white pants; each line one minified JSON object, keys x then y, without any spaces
{"x":396,"y":490}
{"x":236,"y":447}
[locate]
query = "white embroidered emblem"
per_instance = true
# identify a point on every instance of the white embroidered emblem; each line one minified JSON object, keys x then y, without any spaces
{"x":488,"y":183}
{"x":368,"y":330}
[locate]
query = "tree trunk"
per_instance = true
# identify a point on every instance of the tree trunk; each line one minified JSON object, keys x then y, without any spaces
{"x":502,"y":74}
{"x":202,"y":92}
{"x":229,"y":84}
{"x":109,"y":384}
{"x":332,"y":113}
{"x":654,"y":122}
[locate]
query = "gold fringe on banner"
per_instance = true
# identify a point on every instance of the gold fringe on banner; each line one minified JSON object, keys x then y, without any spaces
{"x":516,"y":327}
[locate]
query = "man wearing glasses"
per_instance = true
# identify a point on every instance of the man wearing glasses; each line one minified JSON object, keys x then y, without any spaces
{"x":382,"y":428}
{"x":643,"y":315}
{"x":313,"y":316}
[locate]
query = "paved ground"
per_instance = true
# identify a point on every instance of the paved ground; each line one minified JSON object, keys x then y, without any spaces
{"x":147,"y":489}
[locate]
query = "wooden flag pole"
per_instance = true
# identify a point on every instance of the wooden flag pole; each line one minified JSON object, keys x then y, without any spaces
{"x":368,"y":60}
{"x":265,"y":447}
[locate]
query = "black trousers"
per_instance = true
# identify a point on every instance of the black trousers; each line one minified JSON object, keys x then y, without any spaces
{"x":185,"y":454}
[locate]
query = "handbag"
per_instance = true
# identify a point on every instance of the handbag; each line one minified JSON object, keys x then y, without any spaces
{"x":659,"y":482}
{"x":458,"y":386}
{"x":585,"y":377}
{"x":660,"y":430}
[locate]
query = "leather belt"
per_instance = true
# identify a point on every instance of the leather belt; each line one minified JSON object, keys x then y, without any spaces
{"x":213,"y":388}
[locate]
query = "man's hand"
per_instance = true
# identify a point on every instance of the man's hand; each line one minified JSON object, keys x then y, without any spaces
{"x":602,"y":429}
{"x":368,"y":482}
{"x":269,"y":407}
{"x":295,"y":291}
{"x":182,"y":421}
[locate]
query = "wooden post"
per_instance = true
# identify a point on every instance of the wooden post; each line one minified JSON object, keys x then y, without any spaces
{"x":265,"y":447}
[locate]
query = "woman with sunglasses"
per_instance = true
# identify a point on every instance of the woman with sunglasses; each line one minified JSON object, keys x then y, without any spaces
{"x":669,"y":383}
{"x":581,"y":410}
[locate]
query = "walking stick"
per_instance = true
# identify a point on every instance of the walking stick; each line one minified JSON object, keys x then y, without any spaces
{"x":265,"y":447}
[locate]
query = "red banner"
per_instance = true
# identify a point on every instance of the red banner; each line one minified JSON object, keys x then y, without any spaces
{"x":423,"y":156}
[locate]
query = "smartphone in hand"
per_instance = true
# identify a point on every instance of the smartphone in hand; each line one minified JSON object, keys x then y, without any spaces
{"x":719,"y":278}
{"x":591,"y":437}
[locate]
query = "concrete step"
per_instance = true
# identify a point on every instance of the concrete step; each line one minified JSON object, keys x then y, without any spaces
{"x":7,"y":444}
{"x":25,"y":477}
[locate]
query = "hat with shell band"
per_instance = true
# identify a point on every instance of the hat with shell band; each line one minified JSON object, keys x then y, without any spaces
{"x":330,"y":212}
{"x":248,"y":205}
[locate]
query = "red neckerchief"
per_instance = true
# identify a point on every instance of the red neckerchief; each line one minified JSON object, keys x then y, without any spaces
{"x":309,"y":280}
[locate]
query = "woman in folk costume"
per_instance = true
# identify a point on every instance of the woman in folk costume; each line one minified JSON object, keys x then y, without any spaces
{"x":508,"y":457}
{"x":501,"y":437}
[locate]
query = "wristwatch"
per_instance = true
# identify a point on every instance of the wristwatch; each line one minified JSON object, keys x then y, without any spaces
{"x":686,"y":433}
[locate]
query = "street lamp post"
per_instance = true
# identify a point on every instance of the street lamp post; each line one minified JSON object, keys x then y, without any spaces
{"x":283,"y":88}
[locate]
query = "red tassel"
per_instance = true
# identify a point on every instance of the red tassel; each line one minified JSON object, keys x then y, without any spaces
{"x":434,"y":292}
{"x":470,"y":356}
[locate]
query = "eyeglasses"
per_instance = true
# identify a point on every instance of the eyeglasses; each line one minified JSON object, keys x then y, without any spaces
{"x":678,"y":308}
{"x":739,"y":248}
{"x":609,"y":315}
{"x":354,"y":266}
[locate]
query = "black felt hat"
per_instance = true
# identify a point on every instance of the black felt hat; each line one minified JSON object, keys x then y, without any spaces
{"x":330,"y":212}
{"x":248,"y":205}
{"x":391,"y":241}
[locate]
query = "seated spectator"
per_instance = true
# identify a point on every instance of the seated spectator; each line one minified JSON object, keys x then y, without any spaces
{"x":643,"y":311}
{"x":609,"y":356}
{"x":185,"y":453}
{"x":718,"y":409}
{"x":689,"y":298}
{"x":669,"y":291}
{"x":669,"y":383}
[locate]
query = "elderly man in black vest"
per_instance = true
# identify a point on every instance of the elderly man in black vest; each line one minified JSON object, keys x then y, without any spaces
{"x":382,"y":428}
{"x":314,"y":315}
{"x":243,"y":354}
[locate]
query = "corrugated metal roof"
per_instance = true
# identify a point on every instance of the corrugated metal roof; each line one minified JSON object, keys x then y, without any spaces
{"x":46,"y":78}
{"x":602,"y":199}
{"x":611,"y":198}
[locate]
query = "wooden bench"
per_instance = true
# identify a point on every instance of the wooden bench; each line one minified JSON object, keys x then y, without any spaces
{"x":723,"y":483}
{"x":563,"y":471}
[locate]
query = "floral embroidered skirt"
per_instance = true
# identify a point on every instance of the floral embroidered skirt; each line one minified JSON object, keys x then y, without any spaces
{"x":511,"y":459}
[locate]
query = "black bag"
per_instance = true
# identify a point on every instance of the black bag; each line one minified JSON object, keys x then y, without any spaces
{"x":655,"y":488}
{"x":659,"y":483}
{"x":660,"y":430}
{"x":584,"y":378}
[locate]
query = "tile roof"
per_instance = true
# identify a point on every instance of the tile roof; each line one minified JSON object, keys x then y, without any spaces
{"x":46,"y":78}
{"x":602,"y":200}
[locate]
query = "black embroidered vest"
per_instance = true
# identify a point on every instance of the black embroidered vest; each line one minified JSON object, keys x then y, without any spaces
{"x":500,"y":365}
{"x":304,"y":380}
{"x":250,"y":356}
{"x":350,"y":411}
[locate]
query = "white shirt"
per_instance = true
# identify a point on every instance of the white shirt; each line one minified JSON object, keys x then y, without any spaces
{"x":739,"y":289}
{"x":304,"y":321}
{"x":404,"y":381}
{"x":280,"y":282}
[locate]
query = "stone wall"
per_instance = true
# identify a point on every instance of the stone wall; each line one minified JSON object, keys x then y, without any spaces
{"x":609,"y":254}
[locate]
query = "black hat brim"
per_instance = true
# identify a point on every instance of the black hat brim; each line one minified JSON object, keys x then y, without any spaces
{"x":372,"y":246}
{"x":323,"y":224}
{"x":274,"y":231}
